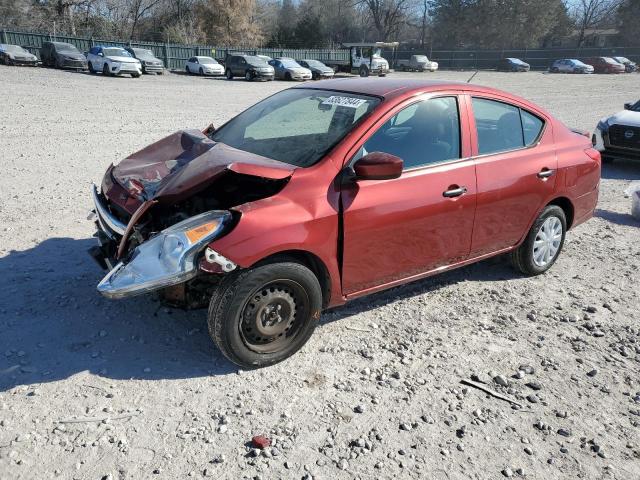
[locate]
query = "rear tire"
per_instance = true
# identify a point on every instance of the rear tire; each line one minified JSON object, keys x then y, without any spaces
{"x":543,"y":244}
{"x":261,"y":316}
{"x":229,"y":74}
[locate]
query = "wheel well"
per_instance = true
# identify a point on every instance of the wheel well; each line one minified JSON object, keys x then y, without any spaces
{"x":312,"y":262}
{"x":565,"y":204}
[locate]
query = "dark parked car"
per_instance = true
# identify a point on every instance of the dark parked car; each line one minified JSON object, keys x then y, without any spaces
{"x":618,"y":136}
{"x":250,"y":67}
{"x":629,"y":66}
{"x":150,"y":63}
{"x":605,"y":65}
{"x":16,"y":55}
{"x":318,"y":69}
{"x":331,"y":191}
{"x":62,"y":55}
{"x":513,"y":65}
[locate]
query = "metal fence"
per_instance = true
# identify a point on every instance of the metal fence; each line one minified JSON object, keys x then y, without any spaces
{"x":175,"y":55}
{"x":539,"y":59}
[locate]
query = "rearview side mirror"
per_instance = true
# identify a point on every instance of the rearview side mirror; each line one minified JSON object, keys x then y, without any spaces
{"x":627,"y":106}
{"x":378,"y":166}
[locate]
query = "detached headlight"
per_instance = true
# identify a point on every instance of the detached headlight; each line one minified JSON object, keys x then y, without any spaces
{"x":167,"y":259}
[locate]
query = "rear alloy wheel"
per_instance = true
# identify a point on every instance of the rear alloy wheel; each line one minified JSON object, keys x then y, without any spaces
{"x":543,"y":244}
{"x":261,"y":316}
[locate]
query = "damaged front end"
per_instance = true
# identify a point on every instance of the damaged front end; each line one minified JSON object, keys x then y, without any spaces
{"x":159,"y":210}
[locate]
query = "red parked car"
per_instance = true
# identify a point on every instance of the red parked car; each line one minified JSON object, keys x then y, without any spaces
{"x":605,"y":65}
{"x":328,"y":192}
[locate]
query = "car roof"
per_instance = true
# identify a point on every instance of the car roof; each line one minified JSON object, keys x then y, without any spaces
{"x":203,"y":56}
{"x":391,"y":87}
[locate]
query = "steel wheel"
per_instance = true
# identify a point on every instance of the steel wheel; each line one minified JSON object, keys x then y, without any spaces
{"x":547,"y":242}
{"x":272,"y":315}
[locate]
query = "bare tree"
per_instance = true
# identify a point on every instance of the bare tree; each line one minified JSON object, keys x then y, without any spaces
{"x":386,"y":15}
{"x":138,"y":9}
{"x":588,"y":14}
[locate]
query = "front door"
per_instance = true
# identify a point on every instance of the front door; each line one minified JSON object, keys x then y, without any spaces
{"x":401,"y":228}
{"x":516,"y":165}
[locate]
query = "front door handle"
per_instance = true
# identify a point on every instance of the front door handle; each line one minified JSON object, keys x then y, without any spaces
{"x":454,"y":192}
{"x":545,"y":173}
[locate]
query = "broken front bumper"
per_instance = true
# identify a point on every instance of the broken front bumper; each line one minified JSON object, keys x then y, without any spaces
{"x":168,"y":258}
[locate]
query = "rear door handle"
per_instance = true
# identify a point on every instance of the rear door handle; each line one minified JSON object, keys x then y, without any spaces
{"x":454,"y":192}
{"x":545,"y":173}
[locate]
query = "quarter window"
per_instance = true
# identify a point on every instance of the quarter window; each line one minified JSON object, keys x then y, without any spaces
{"x":423,"y":133}
{"x":502,"y":127}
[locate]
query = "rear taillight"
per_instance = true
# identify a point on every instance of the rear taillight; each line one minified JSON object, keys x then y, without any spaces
{"x":593,"y":154}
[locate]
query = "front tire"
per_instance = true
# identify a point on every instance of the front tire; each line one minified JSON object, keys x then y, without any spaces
{"x":91,"y":69}
{"x":261,"y":316}
{"x":229,"y":74}
{"x":364,"y":72}
{"x":543,"y":244}
{"x":105,"y":70}
{"x":247,"y":76}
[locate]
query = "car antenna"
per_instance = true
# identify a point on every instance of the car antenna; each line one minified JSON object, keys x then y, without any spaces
{"x":474,"y":74}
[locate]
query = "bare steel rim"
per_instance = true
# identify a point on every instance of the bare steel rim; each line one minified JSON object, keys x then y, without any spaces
{"x":273,"y":315}
{"x":547,"y":242}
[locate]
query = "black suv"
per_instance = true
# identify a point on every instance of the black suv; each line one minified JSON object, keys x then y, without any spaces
{"x":248,"y":66}
{"x":62,"y":55}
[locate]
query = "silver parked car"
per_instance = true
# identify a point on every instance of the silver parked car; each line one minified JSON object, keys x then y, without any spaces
{"x":288,"y":69}
{"x":570,"y":65}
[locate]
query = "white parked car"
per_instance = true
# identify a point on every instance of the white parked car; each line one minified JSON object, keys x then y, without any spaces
{"x":570,"y":65}
{"x":204,"y":66}
{"x":618,"y":136}
{"x":113,"y":61}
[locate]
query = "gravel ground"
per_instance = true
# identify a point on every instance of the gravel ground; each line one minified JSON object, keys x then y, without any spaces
{"x":376,"y":393}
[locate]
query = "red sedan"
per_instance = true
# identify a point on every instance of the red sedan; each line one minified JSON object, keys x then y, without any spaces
{"x":605,"y":65}
{"x":328,"y":192}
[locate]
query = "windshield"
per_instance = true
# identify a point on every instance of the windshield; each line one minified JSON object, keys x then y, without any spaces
{"x":315,"y":63}
{"x":115,"y":52}
{"x":66,"y":47}
{"x":143,"y":53}
{"x":13,"y":49}
{"x":289,"y":63}
{"x":206,"y":60}
{"x":610,"y":60}
{"x":516,"y":60}
{"x":256,"y":61}
{"x":578,"y":63}
{"x":296,"y":126}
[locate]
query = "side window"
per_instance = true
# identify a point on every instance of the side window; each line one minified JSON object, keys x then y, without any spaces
{"x":532,"y":127}
{"x":498,"y":125}
{"x":421,"y":134}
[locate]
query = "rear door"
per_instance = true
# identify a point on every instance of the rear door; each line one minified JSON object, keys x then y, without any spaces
{"x":398,"y":229}
{"x":516,"y":170}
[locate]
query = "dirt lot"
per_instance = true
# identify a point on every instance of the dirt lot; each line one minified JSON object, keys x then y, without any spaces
{"x":376,"y":393}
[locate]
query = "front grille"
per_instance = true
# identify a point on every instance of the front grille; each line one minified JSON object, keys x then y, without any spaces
{"x":625,"y":137}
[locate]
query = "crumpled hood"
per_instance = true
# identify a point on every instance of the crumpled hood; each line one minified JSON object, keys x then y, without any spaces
{"x":187,"y":162}
{"x":625,"y":117}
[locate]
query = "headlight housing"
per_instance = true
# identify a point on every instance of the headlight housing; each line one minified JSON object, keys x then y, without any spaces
{"x":167,"y":259}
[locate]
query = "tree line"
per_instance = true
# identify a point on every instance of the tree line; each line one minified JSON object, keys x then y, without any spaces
{"x":325,"y":23}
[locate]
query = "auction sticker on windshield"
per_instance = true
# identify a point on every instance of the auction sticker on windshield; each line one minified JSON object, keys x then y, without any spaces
{"x":344,"y":101}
